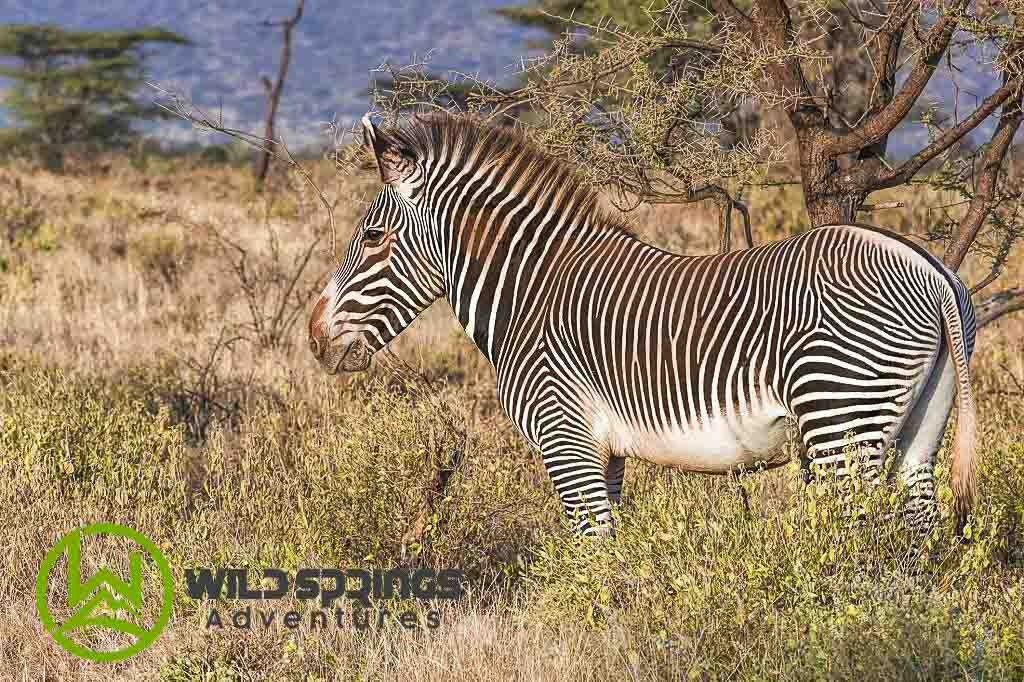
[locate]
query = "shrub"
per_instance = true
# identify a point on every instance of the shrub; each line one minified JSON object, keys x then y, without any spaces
{"x":168,"y":257}
{"x":21,"y":211}
{"x":823,"y":581}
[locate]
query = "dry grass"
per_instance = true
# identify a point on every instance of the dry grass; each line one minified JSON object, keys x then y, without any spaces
{"x":110,"y":312}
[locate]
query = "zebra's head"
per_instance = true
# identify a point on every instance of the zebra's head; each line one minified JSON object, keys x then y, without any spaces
{"x":388,"y":276}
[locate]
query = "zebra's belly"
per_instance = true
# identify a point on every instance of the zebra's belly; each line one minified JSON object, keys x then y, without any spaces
{"x":716,"y":446}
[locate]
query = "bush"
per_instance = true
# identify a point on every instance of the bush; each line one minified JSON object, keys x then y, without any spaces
{"x":335,"y":484}
{"x":166,"y":256}
{"x":820,"y":582}
{"x":21,"y":211}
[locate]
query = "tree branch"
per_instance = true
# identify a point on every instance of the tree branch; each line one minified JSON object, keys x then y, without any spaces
{"x":178,"y":105}
{"x":274,"y":91}
{"x":723,"y":200}
{"x":881,"y":123}
{"x":903,"y":173}
{"x":997,"y":305}
{"x":882,"y":53}
{"x":729,"y":9}
{"x":987,"y":180}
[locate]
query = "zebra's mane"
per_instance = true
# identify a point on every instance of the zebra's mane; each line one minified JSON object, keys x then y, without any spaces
{"x":463,"y":140}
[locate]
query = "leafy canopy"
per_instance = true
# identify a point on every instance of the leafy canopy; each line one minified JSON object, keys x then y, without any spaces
{"x":75,"y":86}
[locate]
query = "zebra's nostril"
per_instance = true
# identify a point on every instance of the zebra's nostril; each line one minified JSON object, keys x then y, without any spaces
{"x":314,"y":345}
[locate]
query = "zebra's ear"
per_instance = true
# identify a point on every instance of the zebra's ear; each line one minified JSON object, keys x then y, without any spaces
{"x":395,"y":163}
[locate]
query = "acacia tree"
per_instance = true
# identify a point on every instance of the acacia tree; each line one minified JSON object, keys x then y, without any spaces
{"x":644,"y":109}
{"x":75,"y":87}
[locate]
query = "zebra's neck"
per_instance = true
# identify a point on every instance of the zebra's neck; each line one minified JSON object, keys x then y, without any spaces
{"x":502,"y":249}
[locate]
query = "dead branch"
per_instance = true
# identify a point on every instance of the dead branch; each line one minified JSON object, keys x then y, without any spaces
{"x":997,"y":305}
{"x":269,"y":290}
{"x":881,"y":206}
{"x":723,"y":200}
{"x":274,"y":90}
{"x":1014,"y":380}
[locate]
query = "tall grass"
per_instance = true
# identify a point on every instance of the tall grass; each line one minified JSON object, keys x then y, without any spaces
{"x":756,"y":577}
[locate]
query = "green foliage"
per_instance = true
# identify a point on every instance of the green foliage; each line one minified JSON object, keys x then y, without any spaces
{"x":334,"y":485}
{"x":821,"y":582}
{"x":650,"y":108}
{"x":72,"y":440}
{"x":828,"y":585}
{"x":75,"y":87}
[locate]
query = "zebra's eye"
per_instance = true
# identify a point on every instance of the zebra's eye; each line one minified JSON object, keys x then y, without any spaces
{"x":373,"y":235}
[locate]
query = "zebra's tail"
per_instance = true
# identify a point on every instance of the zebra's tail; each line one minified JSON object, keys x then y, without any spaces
{"x":960,"y":340}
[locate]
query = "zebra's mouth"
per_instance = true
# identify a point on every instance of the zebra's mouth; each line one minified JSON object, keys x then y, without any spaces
{"x":356,"y":357}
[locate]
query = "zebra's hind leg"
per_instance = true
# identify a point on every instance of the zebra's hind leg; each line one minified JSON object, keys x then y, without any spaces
{"x":919,"y":440}
{"x":859,"y":452}
{"x":616,"y":473}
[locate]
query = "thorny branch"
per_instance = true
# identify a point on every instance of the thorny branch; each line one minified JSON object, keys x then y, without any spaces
{"x":652,"y":135}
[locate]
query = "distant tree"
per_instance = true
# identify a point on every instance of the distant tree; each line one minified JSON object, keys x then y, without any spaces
{"x":75,"y":87}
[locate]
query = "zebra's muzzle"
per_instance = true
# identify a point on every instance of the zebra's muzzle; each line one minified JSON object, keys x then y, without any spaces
{"x":354,"y":356}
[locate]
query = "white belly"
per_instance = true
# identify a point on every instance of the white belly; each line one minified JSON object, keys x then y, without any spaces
{"x":717,"y":445}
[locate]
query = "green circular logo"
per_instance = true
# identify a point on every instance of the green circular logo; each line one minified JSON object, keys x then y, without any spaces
{"x":99,"y":600}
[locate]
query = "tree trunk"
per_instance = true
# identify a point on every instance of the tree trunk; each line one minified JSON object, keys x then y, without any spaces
{"x":832,"y":195}
{"x":828,"y":205}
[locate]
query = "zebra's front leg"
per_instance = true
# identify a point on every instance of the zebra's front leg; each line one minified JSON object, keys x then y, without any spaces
{"x":806,"y":474}
{"x":580,"y":477}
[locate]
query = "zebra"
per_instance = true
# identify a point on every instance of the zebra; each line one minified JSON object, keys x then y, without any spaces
{"x":606,"y":347}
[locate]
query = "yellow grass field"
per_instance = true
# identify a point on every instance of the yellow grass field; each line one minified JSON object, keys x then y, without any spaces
{"x":148,"y":379}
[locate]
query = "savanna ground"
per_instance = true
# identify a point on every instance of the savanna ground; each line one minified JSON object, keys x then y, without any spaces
{"x":149,"y":379}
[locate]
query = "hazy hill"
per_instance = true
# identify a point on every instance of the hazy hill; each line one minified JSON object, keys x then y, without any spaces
{"x":336,"y":45}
